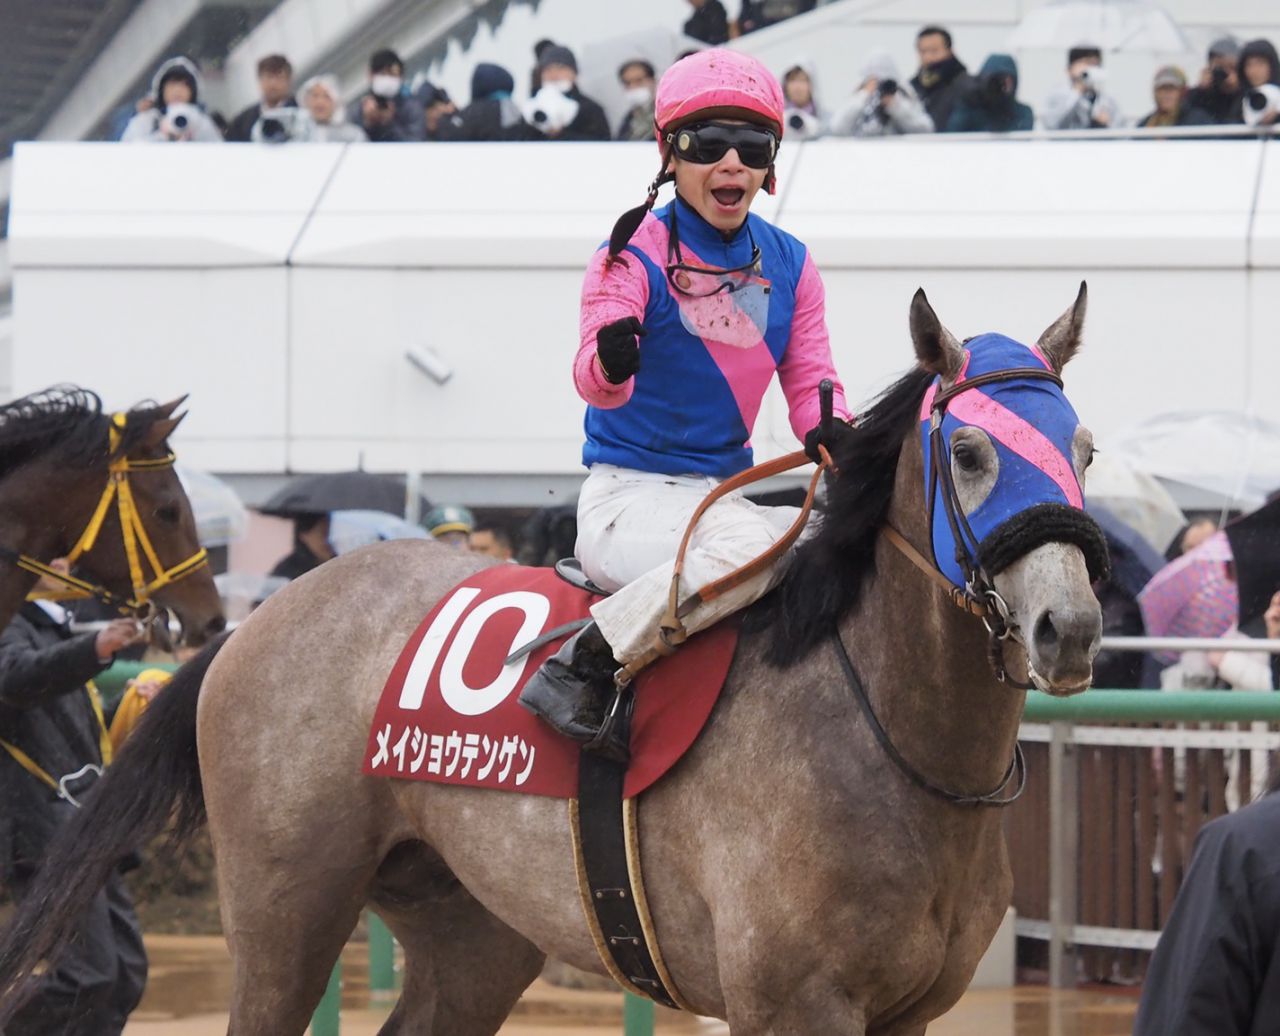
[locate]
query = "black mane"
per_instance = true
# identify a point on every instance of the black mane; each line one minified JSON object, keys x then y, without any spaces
{"x":67,"y":419}
{"x":829,"y":571}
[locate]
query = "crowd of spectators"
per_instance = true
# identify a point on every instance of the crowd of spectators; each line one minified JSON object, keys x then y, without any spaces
{"x":1239,"y":84}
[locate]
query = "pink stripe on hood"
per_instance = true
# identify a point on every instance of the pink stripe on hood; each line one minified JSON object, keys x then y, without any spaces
{"x":1024,"y":439}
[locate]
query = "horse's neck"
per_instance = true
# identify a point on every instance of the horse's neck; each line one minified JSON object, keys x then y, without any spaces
{"x":924,"y":664}
{"x":26,"y":528}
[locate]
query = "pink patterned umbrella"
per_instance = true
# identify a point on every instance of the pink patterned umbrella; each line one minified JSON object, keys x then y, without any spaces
{"x":1194,"y":596}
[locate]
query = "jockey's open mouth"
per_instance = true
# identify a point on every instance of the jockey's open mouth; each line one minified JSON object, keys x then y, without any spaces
{"x":728,"y":197}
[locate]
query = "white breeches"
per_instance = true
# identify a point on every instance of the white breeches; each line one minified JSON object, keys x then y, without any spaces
{"x":629,"y":529}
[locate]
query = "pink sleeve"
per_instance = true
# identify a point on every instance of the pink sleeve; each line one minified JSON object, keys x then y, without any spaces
{"x":607,"y":295}
{"x":808,"y":357}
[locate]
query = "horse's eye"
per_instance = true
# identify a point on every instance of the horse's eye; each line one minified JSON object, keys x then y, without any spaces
{"x":168,"y":514}
{"x":1089,"y":460}
{"x":965,"y":457}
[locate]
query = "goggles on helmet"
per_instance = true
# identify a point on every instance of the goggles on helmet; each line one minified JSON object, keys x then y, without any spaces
{"x":707,"y":142}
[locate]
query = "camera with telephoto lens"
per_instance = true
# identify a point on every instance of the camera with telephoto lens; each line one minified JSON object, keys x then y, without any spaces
{"x":804,"y":125}
{"x":1260,"y":103}
{"x":277,"y":126}
{"x":179,"y":120}
{"x":1092,"y":77}
{"x":888,"y":87}
{"x":1218,"y":77}
{"x":550,"y":110}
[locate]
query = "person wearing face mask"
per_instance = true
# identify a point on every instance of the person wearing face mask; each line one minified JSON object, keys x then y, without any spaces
{"x":387,"y":112}
{"x":558,"y":74}
{"x":639,"y":81}
{"x":492,"y":114}
{"x":687,"y":312}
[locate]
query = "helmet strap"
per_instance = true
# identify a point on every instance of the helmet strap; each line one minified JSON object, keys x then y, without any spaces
{"x":629,"y":222}
{"x":771,"y":181}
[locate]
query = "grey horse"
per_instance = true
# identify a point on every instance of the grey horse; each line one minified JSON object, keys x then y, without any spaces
{"x":799,"y":882}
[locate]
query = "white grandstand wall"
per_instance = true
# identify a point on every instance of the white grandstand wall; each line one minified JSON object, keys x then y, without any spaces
{"x":283,"y":287}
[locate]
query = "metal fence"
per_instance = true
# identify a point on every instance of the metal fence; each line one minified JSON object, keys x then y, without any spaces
{"x":1119,"y":785}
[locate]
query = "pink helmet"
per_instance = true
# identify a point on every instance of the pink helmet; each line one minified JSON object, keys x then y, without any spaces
{"x":717,"y":82}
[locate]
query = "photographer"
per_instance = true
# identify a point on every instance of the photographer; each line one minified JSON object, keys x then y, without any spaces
{"x":326,"y":121}
{"x":1260,"y":70}
{"x":171,"y":112}
{"x":1170,"y":91}
{"x":53,"y":745}
{"x":992,"y":105}
{"x":275,"y":90}
{"x":547,"y":111}
{"x":801,"y":114}
{"x":1080,"y":103}
{"x":884,"y":104}
{"x":387,"y":112}
{"x":1216,"y":100}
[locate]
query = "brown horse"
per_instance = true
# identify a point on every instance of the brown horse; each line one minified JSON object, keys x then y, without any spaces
{"x":799,"y":881}
{"x":55,"y":452}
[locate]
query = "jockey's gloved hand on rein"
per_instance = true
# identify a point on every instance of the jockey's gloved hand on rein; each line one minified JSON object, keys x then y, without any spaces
{"x":840,"y":433}
{"x":618,"y":350}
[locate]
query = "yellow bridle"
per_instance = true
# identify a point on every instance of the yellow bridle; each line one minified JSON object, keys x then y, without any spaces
{"x":137,"y":544}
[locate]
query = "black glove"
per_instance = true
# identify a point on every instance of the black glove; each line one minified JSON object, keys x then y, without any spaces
{"x":618,"y":350}
{"x":836,"y":439}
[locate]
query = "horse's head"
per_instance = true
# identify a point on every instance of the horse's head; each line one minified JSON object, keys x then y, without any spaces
{"x":1004,"y":465}
{"x":161,"y":559}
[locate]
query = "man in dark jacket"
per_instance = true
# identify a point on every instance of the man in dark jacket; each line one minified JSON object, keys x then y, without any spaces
{"x":52,"y":738}
{"x":388,"y":112}
{"x":1216,"y":100}
{"x":492,"y":114}
{"x":992,"y":104}
{"x":1216,"y":969}
{"x":708,"y":23}
{"x":311,"y":547}
{"x":942,"y":80}
{"x":558,"y":70}
{"x":275,"y":90}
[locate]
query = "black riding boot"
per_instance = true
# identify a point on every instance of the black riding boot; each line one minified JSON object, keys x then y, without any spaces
{"x":573,"y":691}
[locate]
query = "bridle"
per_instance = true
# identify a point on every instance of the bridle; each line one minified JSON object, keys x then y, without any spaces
{"x":978,"y":595}
{"x":137,"y":544}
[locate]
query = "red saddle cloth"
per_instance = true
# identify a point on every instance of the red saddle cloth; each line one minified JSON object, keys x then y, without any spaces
{"x":449,"y":711}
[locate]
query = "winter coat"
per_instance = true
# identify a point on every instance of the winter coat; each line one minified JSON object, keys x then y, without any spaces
{"x":335,"y":132}
{"x":1216,"y":969}
{"x":241,"y":126}
{"x":940,"y":88}
{"x":1206,"y":106}
{"x":144,"y":128}
{"x":1066,"y":109}
{"x":984,"y":112}
{"x":494,"y":118}
{"x":637,"y":124}
{"x":46,"y":712}
{"x":760,"y":14}
{"x":409,"y":123}
{"x":299,"y":562}
{"x":590,"y":123}
{"x":871,"y":113}
{"x":709,"y":23}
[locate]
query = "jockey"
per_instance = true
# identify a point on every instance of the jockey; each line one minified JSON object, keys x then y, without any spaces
{"x":686,"y":314}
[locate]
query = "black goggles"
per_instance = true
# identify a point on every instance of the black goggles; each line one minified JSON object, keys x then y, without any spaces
{"x":708,"y":142}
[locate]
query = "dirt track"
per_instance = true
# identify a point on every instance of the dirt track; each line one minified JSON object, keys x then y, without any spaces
{"x":190,"y":985}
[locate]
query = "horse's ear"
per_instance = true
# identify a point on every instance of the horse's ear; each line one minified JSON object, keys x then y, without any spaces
{"x":167,"y":409}
{"x":1061,"y":339}
{"x":937,"y":349}
{"x":161,"y":430}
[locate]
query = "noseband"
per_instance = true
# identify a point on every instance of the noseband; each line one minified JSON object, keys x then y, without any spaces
{"x":137,"y":544}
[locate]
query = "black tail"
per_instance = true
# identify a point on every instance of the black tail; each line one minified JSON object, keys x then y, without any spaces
{"x":155,"y":780}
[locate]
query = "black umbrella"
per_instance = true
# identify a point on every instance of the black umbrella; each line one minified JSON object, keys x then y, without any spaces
{"x":1255,"y":545}
{"x":340,"y":491}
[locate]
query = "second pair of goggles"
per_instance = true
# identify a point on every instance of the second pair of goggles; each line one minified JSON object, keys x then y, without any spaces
{"x":706,"y":142}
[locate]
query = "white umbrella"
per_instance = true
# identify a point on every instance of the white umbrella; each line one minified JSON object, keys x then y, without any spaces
{"x":1134,"y":497}
{"x":350,"y":530}
{"x":1111,"y":25}
{"x":220,"y":514}
{"x":1229,"y":457}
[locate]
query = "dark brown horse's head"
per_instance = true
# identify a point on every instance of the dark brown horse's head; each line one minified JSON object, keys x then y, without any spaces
{"x":57,"y":450}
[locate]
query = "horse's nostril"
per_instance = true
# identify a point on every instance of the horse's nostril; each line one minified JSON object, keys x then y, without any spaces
{"x":216,"y":625}
{"x":1046,"y":633}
